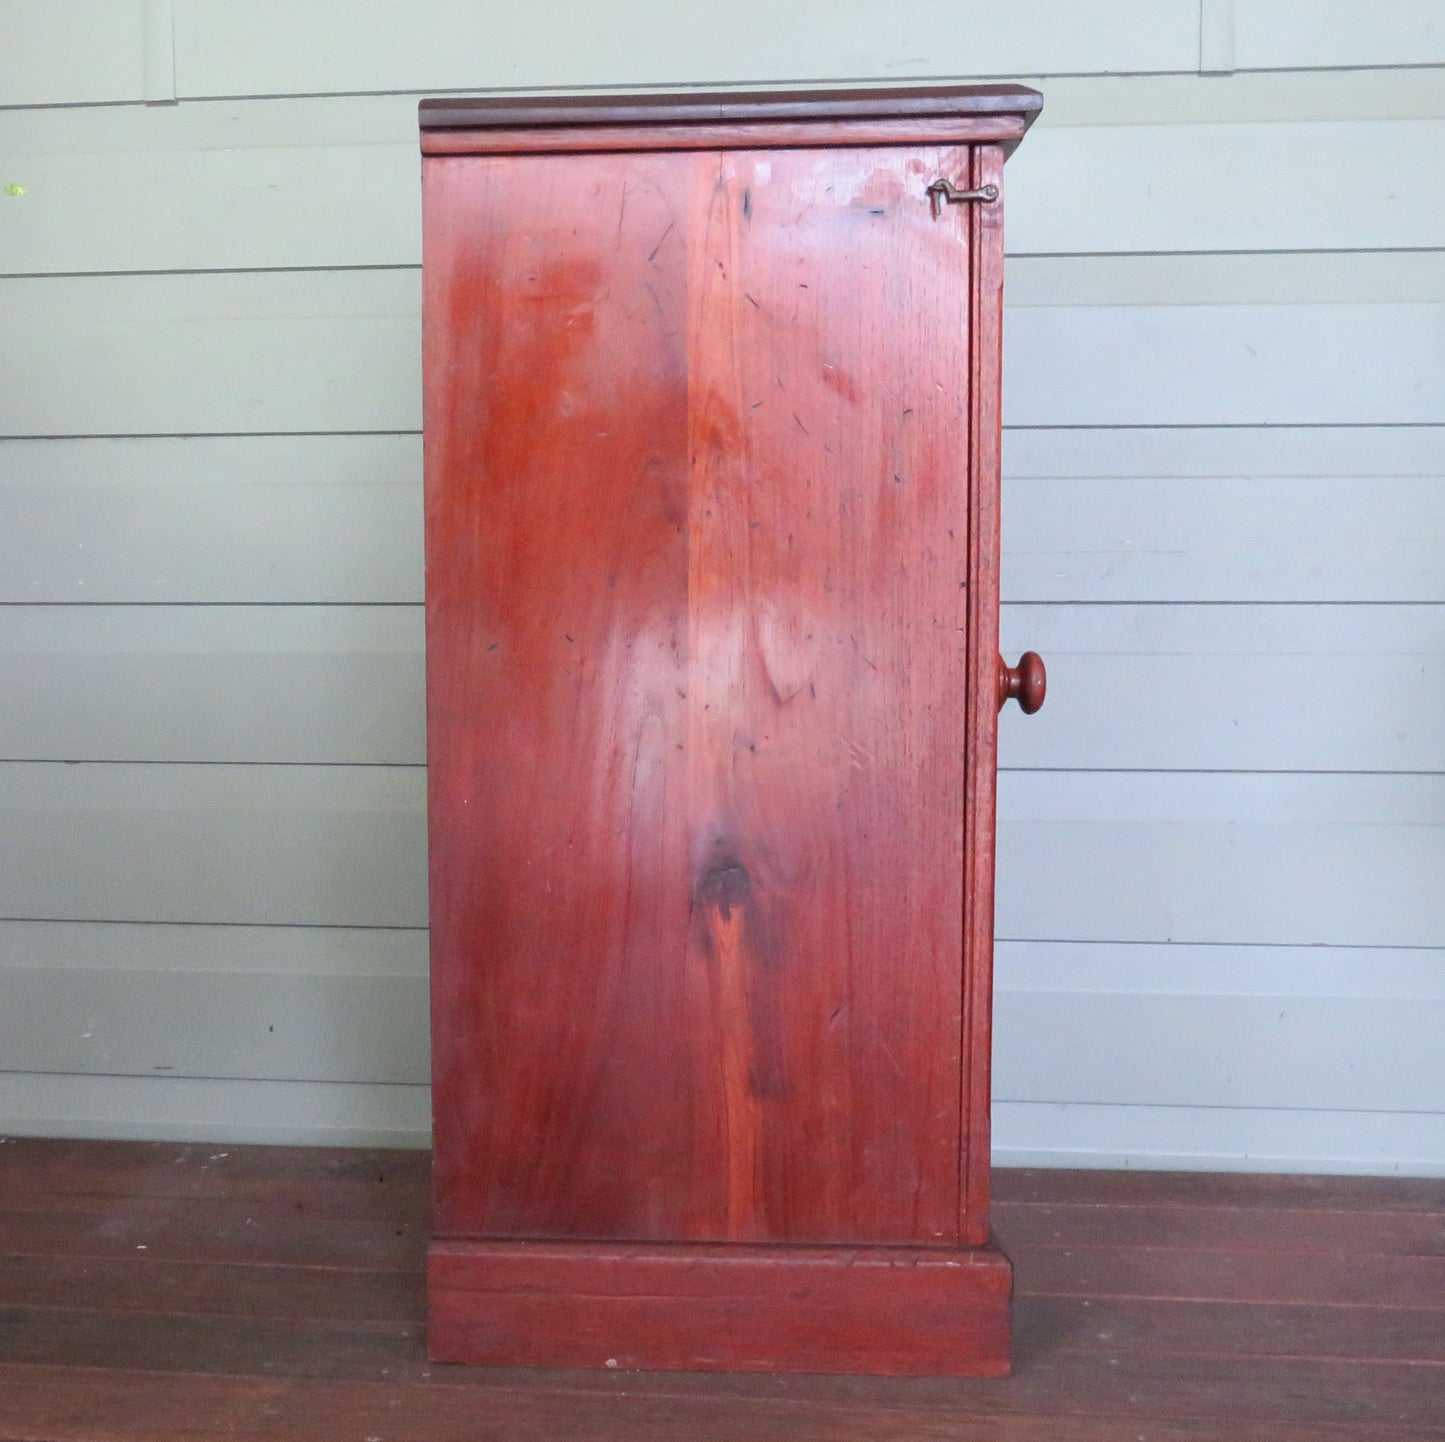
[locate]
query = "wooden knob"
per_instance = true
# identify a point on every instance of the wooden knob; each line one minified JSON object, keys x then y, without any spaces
{"x":1025,"y":683}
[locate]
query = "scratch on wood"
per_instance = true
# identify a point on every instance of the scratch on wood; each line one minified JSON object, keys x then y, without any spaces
{"x":621,"y":214}
{"x":652,"y":254}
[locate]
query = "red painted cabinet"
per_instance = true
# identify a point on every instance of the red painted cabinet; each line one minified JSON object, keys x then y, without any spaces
{"x":712,"y":445}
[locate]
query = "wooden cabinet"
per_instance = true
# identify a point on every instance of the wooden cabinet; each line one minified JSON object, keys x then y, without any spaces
{"x":712,"y":437}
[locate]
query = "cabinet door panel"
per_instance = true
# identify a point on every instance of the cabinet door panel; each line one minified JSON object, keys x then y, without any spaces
{"x":697,"y":436}
{"x":828,"y":362}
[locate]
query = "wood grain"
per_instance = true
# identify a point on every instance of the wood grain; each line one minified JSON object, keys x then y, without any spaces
{"x":881,"y":1310}
{"x":750,"y":666}
{"x":1237,"y":1229}
{"x":164,"y":1345}
{"x":828,"y":531}
{"x":1041,"y":1186}
{"x":1212,"y":1275}
{"x":1143,"y":1327}
{"x":557,"y":628}
{"x":137,"y":1285}
{"x":1194,"y":1403}
{"x":56,"y":1170}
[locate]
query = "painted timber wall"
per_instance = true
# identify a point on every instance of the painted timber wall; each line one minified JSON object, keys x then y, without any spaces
{"x":1222,"y":845}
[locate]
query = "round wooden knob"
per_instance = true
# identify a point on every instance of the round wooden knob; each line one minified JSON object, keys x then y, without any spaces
{"x":1025,"y":683}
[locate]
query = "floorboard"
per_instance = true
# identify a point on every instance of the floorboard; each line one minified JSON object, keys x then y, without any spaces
{"x":1013,"y":1185}
{"x":157,"y":1291}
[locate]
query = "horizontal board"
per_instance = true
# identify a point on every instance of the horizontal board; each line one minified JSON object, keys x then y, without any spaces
{"x":1122,"y":515}
{"x":1242,"y":452}
{"x":1219,"y":1139}
{"x":1246,"y":365}
{"x":287,"y":845}
{"x":1264,"y":278}
{"x":288,"y":951}
{"x":1259,"y":1225}
{"x":1268,"y":34}
{"x":1266,"y":859}
{"x":1177,"y":969}
{"x":268,"y":123}
{"x":1401,"y":1205}
{"x":75,"y":1177}
{"x":341,"y":351}
{"x":87,"y":1289}
{"x":1247,"y":98}
{"x":1225,"y":538}
{"x":212,"y":518}
{"x":215,"y":1024}
{"x":278,"y":1231}
{"x":324,"y":684}
{"x":43,"y":63}
{"x":1127,"y":1049}
{"x":1231,"y":688}
{"x":210,"y":209}
{"x":331,"y":200}
{"x":1134,"y":1325}
{"x":210,"y":1236}
{"x":318,"y":351}
{"x":1213,"y":1274}
{"x":232,"y":50}
{"x":1247,"y":1027}
{"x":188,"y":1109}
{"x":1225,"y":187}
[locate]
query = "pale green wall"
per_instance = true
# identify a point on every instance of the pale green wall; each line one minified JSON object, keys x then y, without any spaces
{"x":1222,"y":843}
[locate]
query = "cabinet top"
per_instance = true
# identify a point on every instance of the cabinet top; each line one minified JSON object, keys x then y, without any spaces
{"x":919,"y":109}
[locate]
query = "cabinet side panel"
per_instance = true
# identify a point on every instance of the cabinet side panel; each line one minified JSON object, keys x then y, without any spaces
{"x":829,"y":426}
{"x":566,"y":1039}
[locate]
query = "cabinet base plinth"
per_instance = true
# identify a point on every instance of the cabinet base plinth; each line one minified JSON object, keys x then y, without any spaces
{"x":888,"y":1311}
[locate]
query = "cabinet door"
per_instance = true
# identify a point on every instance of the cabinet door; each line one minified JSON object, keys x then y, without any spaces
{"x":697,"y":429}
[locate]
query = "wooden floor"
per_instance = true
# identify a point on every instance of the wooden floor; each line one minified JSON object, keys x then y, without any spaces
{"x":165,"y":1291}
